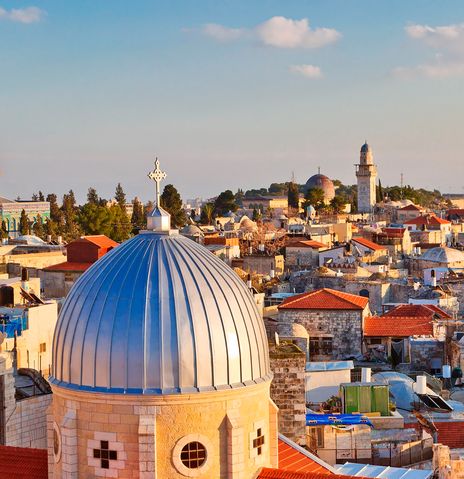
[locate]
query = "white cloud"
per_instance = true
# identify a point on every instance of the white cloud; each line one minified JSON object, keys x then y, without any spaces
{"x":448,"y":44}
{"x":436,"y":35}
{"x":309,"y":71}
{"x":22,"y":15}
{"x":431,"y":70}
{"x":284,"y":32}
{"x":222,"y":33}
{"x":277,"y":32}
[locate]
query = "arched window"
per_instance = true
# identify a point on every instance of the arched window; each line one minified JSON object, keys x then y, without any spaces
{"x":364,"y":293}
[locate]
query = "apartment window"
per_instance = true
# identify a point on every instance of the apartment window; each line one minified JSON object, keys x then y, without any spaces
{"x":321,"y":346}
{"x":258,"y":442}
{"x":43,"y":347}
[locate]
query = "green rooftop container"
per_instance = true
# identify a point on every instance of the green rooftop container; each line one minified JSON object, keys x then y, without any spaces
{"x":365,"y":398}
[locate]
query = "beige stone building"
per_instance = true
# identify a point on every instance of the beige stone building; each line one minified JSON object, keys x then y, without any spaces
{"x":333,"y":320}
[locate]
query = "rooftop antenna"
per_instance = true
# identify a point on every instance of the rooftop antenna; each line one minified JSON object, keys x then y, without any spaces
{"x":293,"y":177}
{"x":318,"y":170}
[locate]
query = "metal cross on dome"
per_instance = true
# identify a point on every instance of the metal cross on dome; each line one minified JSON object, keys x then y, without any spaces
{"x":157,"y":175}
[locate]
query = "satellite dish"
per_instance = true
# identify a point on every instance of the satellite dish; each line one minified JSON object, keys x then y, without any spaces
{"x":277,"y":339}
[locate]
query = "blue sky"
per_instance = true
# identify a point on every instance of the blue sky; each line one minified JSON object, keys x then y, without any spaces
{"x":228,"y":94}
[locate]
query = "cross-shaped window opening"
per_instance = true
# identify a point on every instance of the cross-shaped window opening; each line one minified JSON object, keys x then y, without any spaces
{"x":258,"y":443}
{"x":105,"y":455}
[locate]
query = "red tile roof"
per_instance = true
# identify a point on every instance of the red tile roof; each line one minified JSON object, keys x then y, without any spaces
{"x":427,"y":220}
{"x":307,"y":244}
{"x":23,"y":463}
{"x":101,"y":241}
{"x":295,"y":459}
{"x":456,"y":211}
{"x":417,"y":310}
{"x":267,"y":473}
{"x":368,"y":244}
{"x":69,"y":266}
{"x":410,"y":208}
{"x":449,"y":432}
{"x":397,"y":326}
{"x":394,"y":232}
{"x":325,"y":298}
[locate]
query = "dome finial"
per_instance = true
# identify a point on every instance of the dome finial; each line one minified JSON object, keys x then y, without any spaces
{"x":158,"y":219}
{"x":157,"y":175}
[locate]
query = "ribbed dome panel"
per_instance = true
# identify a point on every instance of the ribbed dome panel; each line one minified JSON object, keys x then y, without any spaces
{"x":159,"y":315}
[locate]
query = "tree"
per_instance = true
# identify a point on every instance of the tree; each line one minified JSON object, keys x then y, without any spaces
{"x":379,"y":193}
{"x":224,"y":203}
{"x":256,"y":215}
{"x":172,"y":202}
{"x":50,"y":229}
{"x":70,"y":211}
{"x":38,"y":227}
{"x":41,"y":196}
{"x":121,"y":226}
{"x":92,"y":196}
{"x":35,"y":197}
{"x":4,"y":230}
{"x":338,"y":203}
{"x":24,"y":226}
{"x":138,"y":219}
{"x":315,"y":198}
{"x":207,"y":214}
{"x":56,"y":215}
{"x":120,"y":196}
{"x":147,"y":209}
{"x":95,"y":219}
{"x":293,"y":196}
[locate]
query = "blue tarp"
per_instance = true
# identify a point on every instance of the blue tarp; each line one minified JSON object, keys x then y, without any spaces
{"x":336,"y":419}
{"x":12,"y":321}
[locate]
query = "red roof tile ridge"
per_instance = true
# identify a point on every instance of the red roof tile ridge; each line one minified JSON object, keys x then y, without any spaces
{"x":347,"y":298}
{"x":368,"y":243}
{"x":268,"y":473}
{"x":308,"y":462}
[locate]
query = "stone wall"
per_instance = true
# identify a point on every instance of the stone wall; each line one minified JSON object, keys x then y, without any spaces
{"x":423,"y":351}
{"x":25,"y":420}
{"x":27,"y":427}
{"x":288,"y":364}
{"x":344,"y":326}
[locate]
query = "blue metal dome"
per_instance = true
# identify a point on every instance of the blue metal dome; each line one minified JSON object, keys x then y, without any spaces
{"x":159,"y":315}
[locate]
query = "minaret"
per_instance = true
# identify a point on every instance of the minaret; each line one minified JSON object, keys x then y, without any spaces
{"x":366,"y":172}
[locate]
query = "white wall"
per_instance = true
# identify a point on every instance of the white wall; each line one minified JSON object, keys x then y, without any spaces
{"x":320,"y":385}
{"x":41,"y":320}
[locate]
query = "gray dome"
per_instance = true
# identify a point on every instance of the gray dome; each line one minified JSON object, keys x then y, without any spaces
{"x":443,"y":254}
{"x":365,"y":148}
{"x":324,"y":183}
{"x":159,"y":315}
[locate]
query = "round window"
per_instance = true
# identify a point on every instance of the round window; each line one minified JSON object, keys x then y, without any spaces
{"x":193,"y":455}
{"x":56,"y":442}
